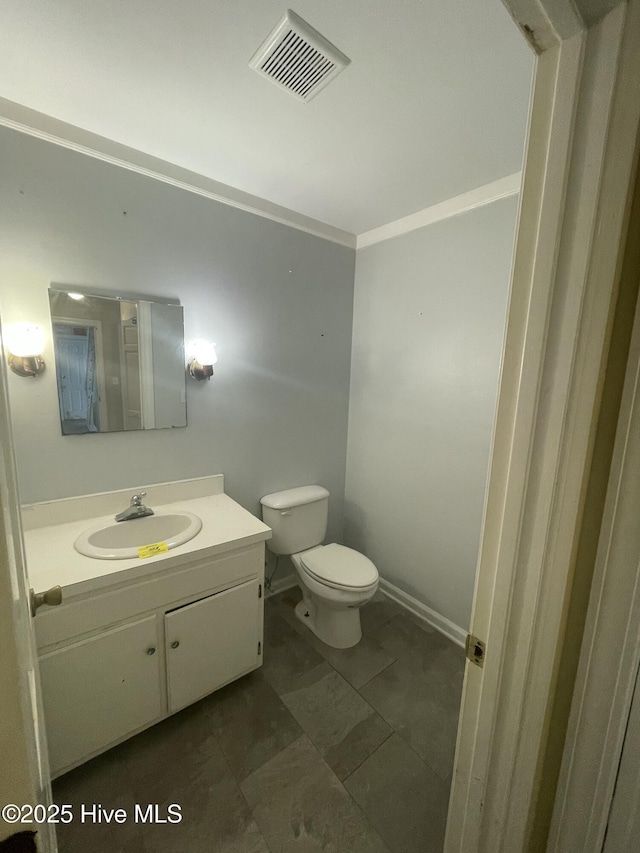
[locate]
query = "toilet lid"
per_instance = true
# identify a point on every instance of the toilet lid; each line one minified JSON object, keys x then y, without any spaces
{"x":340,"y":566}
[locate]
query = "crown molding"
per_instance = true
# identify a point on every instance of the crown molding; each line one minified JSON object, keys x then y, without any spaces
{"x":41,"y":126}
{"x":478,"y":197}
{"x":49,"y":129}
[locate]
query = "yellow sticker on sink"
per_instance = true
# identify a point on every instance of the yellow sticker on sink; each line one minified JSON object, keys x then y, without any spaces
{"x":152,"y":550}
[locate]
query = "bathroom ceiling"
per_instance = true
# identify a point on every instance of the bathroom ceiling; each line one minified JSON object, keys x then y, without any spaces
{"x":433,"y":103}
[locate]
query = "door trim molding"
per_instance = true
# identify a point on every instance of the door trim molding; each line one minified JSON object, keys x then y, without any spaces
{"x":610,"y":653}
{"x":23,"y":739}
{"x":578,"y":167}
{"x":611,"y":647}
{"x":542,"y":200}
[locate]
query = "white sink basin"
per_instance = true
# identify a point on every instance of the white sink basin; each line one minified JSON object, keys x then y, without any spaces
{"x":124,"y":540}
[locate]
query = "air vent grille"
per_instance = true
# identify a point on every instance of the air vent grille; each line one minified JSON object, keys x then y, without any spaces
{"x":297,"y":65}
{"x":297,"y":58}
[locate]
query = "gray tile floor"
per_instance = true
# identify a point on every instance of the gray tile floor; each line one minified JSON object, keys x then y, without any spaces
{"x":320,"y":749}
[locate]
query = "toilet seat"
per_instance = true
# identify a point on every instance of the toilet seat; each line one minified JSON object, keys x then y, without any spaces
{"x":339,"y":567}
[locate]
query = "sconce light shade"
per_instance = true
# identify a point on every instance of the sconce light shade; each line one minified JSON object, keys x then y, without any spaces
{"x":203,"y":357}
{"x":24,"y":343}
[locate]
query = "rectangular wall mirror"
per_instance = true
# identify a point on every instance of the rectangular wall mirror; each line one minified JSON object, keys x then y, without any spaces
{"x":119,"y":362}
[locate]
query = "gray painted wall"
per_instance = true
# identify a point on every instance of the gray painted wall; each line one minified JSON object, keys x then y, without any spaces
{"x":277,"y":302}
{"x":429,"y":315}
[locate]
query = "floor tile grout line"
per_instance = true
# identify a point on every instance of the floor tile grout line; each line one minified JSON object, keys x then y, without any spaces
{"x":142,"y":835}
{"x":320,"y":652}
{"x":340,"y":784}
{"x":444,"y":782}
{"x":391,"y":734}
{"x":364,"y":814}
{"x":350,"y":795}
{"x":252,"y":812}
{"x":393,"y":728}
{"x":369,"y":680}
{"x":238,"y":782}
{"x":374,"y":712}
{"x":357,"y":690}
{"x":415,"y":752}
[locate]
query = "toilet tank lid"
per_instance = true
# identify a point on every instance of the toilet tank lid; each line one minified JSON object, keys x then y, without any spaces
{"x":294,"y":497}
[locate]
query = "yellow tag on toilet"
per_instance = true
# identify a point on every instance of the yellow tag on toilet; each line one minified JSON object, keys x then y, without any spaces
{"x":152,"y":550}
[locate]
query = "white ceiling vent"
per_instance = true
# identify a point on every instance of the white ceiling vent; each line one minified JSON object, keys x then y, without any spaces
{"x":298,"y":58}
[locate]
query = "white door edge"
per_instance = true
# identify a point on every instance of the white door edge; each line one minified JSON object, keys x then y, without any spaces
{"x":540,"y":217}
{"x":23,"y":735}
{"x":610,"y":653}
{"x":564,"y":287}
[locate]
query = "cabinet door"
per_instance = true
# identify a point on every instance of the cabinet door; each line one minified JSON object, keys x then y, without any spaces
{"x":98,"y":690}
{"x":211,"y":642}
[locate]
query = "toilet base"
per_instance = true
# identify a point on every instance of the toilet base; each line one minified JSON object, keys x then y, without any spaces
{"x":339,"y":629}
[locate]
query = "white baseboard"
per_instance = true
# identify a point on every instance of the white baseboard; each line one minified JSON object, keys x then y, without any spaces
{"x":440,"y":623}
{"x":281,"y":584}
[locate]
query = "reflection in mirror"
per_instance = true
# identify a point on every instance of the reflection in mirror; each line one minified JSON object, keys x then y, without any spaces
{"x":119,"y":363}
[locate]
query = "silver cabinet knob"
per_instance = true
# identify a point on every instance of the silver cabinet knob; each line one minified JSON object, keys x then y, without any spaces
{"x":175,"y":644}
{"x":151,"y":651}
{"x":52,"y":597}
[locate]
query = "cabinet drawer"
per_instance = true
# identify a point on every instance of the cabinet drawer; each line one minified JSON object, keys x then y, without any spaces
{"x":57,"y":624}
{"x":211,"y":642}
{"x":100,"y":689}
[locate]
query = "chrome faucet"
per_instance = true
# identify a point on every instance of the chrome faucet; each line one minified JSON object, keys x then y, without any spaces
{"x":136,"y":509}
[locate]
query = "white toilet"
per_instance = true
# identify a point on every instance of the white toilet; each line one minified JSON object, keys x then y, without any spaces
{"x":335,"y":581}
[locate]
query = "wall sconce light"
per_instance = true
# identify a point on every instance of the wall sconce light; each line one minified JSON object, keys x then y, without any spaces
{"x":24,"y":343}
{"x":203,"y":357}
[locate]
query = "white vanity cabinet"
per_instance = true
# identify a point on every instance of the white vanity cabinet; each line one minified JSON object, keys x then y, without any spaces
{"x":210,"y":641}
{"x":97,"y":690}
{"x":114,"y":662}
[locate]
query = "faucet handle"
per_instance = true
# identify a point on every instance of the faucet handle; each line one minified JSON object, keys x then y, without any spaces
{"x":136,"y":500}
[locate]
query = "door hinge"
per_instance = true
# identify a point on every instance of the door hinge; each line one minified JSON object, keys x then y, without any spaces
{"x":259,"y":590}
{"x":475,"y":650}
{"x":259,"y":648}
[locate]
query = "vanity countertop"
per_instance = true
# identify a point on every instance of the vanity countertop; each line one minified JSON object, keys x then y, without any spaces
{"x":52,"y":560}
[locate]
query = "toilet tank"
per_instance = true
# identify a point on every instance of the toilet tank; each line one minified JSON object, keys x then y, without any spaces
{"x":297,"y":517}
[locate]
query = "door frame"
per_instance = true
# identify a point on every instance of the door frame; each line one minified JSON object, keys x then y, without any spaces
{"x":610,"y":652}
{"x":23,"y":740}
{"x":126,"y":350}
{"x":145,"y":355}
{"x":578,"y":171}
{"x":96,"y":325}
